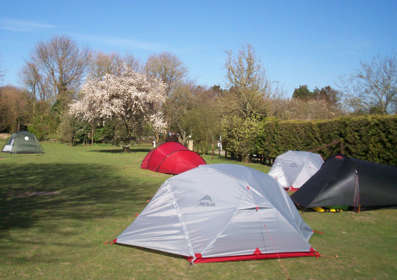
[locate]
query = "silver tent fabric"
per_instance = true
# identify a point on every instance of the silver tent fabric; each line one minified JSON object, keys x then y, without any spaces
{"x":294,"y":168}
{"x":219,"y":210}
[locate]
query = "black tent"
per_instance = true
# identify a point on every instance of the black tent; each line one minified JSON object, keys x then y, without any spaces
{"x":344,"y":181}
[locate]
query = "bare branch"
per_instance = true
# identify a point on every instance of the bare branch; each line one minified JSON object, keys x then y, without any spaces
{"x":166,"y":67}
{"x":373,"y":89}
{"x":55,"y":69}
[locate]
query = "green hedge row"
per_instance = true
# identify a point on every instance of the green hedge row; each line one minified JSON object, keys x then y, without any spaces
{"x":372,"y":138}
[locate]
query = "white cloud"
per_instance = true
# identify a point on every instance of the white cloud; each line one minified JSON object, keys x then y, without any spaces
{"x":17,"y":25}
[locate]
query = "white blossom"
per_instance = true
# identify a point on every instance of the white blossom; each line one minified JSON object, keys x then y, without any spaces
{"x":125,"y":97}
{"x":158,"y":123}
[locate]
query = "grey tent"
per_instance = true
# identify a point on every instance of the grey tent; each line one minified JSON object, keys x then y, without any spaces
{"x":348,"y":182}
{"x":22,"y":142}
{"x":221,"y":212}
{"x":293,"y":168}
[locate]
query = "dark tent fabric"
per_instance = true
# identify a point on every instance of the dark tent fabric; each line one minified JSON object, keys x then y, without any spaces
{"x":171,"y":158}
{"x":22,"y":142}
{"x":344,"y":181}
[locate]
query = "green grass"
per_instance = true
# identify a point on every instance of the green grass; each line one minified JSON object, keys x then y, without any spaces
{"x":90,"y":194}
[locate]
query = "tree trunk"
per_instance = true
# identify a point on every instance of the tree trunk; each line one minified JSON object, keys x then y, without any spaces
{"x":92,"y":134}
{"x":245,"y":158}
{"x":126,"y":147}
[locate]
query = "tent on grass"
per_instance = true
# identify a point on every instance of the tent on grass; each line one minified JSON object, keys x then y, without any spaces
{"x":221,"y":212}
{"x":171,"y":158}
{"x":22,"y":142}
{"x":349,"y":182}
{"x":293,"y":168}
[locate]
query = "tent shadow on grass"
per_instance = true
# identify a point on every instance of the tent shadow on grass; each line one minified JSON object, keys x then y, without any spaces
{"x":30,"y":193}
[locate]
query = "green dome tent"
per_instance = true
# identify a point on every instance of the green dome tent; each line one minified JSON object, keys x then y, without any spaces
{"x":22,"y":142}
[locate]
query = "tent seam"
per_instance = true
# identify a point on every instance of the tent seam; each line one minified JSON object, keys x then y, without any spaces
{"x":181,"y":221}
{"x":166,"y":157}
{"x":221,"y":232}
{"x":227,"y":224}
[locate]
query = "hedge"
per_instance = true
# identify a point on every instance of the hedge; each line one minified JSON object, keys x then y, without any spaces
{"x":372,"y":138}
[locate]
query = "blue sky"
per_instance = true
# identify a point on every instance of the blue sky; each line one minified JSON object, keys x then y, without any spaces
{"x":298,"y":42}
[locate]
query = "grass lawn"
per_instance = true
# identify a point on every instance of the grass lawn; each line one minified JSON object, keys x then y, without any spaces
{"x":58,"y":209}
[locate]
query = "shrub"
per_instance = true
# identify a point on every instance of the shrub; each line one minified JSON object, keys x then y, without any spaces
{"x":240,"y":136}
{"x":372,"y":138}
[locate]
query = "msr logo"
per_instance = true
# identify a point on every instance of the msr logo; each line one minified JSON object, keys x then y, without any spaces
{"x":206,"y":201}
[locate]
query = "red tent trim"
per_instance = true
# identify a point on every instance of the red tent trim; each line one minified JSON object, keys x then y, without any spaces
{"x":257,"y":255}
{"x":291,"y":189}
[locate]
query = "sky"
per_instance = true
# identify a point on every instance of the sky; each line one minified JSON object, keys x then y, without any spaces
{"x":315,"y":43}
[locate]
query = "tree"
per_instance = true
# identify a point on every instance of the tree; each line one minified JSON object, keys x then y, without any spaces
{"x":303,"y":93}
{"x":101,"y":64}
{"x":206,"y":116}
{"x":131,"y":98}
{"x":55,"y":70}
{"x":328,"y":94}
{"x":171,"y":71}
{"x":177,"y":109}
{"x":239,"y":135}
{"x":245,"y":70}
{"x":53,"y":75}
{"x":194,"y":113}
{"x":373,"y":89}
{"x":158,"y":125}
{"x":35,"y":83}
{"x":297,"y":109}
{"x":167,"y":68}
{"x":247,"y":82}
{"x":15,"y":108}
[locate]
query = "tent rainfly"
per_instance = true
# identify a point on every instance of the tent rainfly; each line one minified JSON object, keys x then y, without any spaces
{"x":293,"y":168}
{"x":221,"y":212}
{"x":349,"y":182}
{"x":22,"y":142}
{"x":171,"y":158}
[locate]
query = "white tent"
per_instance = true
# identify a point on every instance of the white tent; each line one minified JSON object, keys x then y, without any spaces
{"x":221,"y":212}
{"x":293,"y":168}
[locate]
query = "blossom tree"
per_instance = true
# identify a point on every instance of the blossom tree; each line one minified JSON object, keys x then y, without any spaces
{"x":130,"y":97}
{"x":158,"y":125}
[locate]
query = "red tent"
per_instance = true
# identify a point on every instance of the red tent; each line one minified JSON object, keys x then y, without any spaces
{"x":171,"y":158}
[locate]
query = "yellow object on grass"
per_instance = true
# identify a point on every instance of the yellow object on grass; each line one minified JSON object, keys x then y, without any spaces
{"x":319,"y":209}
